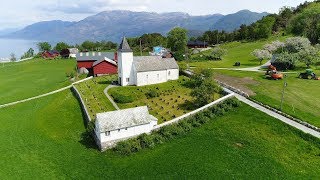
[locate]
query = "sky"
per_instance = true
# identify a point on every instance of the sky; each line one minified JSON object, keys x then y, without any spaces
{"x":19,"y":13}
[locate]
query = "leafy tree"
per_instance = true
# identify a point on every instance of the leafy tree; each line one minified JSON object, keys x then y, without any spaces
{"x":88,"y":45}
{"x":204,"y":93}
{"x":262,"y":54}
{"x":218,"y":52}
{"x":177,"y":40}
{"x":44,"y":46}
{"x":13,"y":57}
{"x":60,"y":46}
{"x":29,"y":53}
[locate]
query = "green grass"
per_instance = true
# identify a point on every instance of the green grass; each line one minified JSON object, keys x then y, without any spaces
{"x":174,"y":99}
{"x":236,"y":52}
{"x":92,"y":93}
{"x":44,"y":139}
{"x":33,"y":77}
{"x":301,"y":96}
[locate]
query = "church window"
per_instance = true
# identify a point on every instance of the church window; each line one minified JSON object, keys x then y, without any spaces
{"x":128,"y":79}
{"x":107,"y":133}
{"x":158,"y":76}
{"x":169,"y":73}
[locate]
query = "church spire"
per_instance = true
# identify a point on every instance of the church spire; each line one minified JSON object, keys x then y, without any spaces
{"x":124,"y":46}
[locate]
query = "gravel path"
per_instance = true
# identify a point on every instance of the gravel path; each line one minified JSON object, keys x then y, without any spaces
{"x":110,"y":99}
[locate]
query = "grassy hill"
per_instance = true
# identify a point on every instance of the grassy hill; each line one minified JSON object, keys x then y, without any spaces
{"x":45,"y":139}
{"x":31,"y":78}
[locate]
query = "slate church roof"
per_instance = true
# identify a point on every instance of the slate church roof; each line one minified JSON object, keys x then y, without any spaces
{"x":153,"y":63}
{"x":126,"y":118}
{"x":124,"y":46}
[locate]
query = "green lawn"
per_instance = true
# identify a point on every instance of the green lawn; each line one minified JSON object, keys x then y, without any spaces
{"x":43,"y":139}
{"x":236,"y":52}
{"x":174,"y":99}
{"x":33,"y":77}
{"x":301,"y":96}
{"x":92,"y":93}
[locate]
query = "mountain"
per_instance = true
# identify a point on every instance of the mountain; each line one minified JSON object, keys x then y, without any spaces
{"x":233,"y":21}
{"x":8,"y":31}
{"x":112,"y":25}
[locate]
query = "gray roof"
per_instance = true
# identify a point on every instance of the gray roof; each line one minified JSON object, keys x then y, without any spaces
{"x":105,"y":59}
{"x":124,"y":46}
{"x":153,"y":63}
{"x":94,"y":56}
{"x":126,"y":118}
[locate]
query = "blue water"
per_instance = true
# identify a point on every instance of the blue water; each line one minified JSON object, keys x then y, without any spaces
{"x":16,"y":46}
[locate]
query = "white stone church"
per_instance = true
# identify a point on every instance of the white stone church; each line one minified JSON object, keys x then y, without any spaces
{"x":144,"y":70}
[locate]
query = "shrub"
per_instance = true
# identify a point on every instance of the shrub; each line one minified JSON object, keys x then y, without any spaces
{"x":146,"y":141}
{"x":185,"y":125}
{"x":121,"y":98}
{"x":123,"y":147}
{"x":152,"y":93}
{"x":157,"y":138}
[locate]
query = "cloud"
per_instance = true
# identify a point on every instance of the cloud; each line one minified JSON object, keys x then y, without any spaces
{"x":94,"y":6}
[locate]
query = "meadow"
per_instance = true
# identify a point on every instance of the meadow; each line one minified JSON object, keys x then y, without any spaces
{"x":46,"y":139}
{"x":300,"y":98}
{"x":236,"y":52}
{"x":33,"y":77}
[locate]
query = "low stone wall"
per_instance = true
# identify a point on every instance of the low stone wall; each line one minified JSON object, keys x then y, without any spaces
{"x":238,"y":91}
{"x":83,"y":105}
{"x":178,"y":119}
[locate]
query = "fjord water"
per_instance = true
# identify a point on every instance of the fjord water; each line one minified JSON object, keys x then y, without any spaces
{"x":16,"y":46}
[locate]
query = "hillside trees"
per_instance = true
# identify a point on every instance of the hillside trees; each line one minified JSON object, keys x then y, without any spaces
{"x":177,"y":40}
{"x":60,"y":46}
{"x":44,"y":46}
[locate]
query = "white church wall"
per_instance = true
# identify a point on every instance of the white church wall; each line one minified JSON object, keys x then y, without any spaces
{"x":151,"y":77}
{"x":173,"y":74}
{"x":125,"y":133}
{"x":125,"y":68}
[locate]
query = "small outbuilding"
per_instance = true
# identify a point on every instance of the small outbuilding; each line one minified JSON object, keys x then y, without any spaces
{"x":112,"y":127}
{"x":197,"y":44}
{"x":105,"y":66}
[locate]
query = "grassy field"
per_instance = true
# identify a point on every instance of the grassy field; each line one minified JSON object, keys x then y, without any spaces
{"x":92,"y":93}
{"x":236,"y":52}
{"x":33,"y":77}
{"x":44,"y":139}
{"x":301,"y":96}
{"x":174,"y":99}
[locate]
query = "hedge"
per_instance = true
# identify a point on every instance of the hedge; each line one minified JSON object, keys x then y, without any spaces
{"x":172,"y":131}
{"x":121,"y":98}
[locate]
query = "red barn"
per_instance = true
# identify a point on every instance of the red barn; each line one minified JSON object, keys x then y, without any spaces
{"x":105,"y":66}
{"x":97,"y":61}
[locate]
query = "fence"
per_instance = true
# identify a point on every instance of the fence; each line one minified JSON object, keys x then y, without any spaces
{"x":83,"y":105}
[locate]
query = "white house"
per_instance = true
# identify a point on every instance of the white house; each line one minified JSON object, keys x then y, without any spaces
{"x":112,"y":127}
{"x":144,"y":70}
{"x":73,"y":52}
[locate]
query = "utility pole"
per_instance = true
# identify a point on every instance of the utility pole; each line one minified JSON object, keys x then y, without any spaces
{"x":283,"y":90}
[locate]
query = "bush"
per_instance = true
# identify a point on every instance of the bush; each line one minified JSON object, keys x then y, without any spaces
{"x":146,"y":141}
{"x":152,"y":93}
{"x":121,"y":98}
{"x":185,"y":126}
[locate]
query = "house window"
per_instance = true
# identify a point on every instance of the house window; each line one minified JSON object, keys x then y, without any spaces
{"x":127,"y":79}
{"x":107,"y":133}
{"x":158,"y":76}
{"x":126,"y":129}
{"x":169,"y":73}
{"x":118,"y":130}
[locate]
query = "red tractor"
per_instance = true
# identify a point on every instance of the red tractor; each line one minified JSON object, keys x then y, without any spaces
{"x":273,"y":73}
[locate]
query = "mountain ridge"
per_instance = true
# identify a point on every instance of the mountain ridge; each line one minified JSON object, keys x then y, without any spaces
{"x":111,"y":25}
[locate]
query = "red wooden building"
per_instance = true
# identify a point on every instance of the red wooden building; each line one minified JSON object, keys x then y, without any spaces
{"x":105,"y":67}
{"x":98,"y":63}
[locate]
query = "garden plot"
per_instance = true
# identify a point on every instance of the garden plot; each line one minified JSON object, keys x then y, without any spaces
{"x":165,"y":101}
{"x":93,"y":96}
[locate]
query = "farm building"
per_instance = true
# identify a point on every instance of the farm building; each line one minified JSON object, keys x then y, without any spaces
{"x":97,"y":63}
{"x":112,"y":127}
{"x":73,"y":52}
{"x":50,"y":54}
{"x":197,"y":44}
{"x":144,"y":70}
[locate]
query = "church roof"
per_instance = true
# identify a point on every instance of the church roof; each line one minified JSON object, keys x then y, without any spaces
{"x":153,"y":63}
{"x":126,"y":118}
{"x":124,"y":46}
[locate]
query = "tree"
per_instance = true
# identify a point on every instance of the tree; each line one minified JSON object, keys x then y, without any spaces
{"x":262,"y":54}
{"x":13,"y":57}
{"x":204,"y":93}
{"x":218,"y":52}
{"x":177,"y":40}
{"x":44,"y":46}
{"x":60,"y":46}
{"x":274,"y":47}
{"x":88,"y":45}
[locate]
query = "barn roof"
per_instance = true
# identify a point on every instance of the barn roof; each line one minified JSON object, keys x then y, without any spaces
{"x":124,"y":46}
{"x":121,"y":119}
{"x":153,"y":63}
{"x":106,"y":60}
{"x":94,"y":56}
